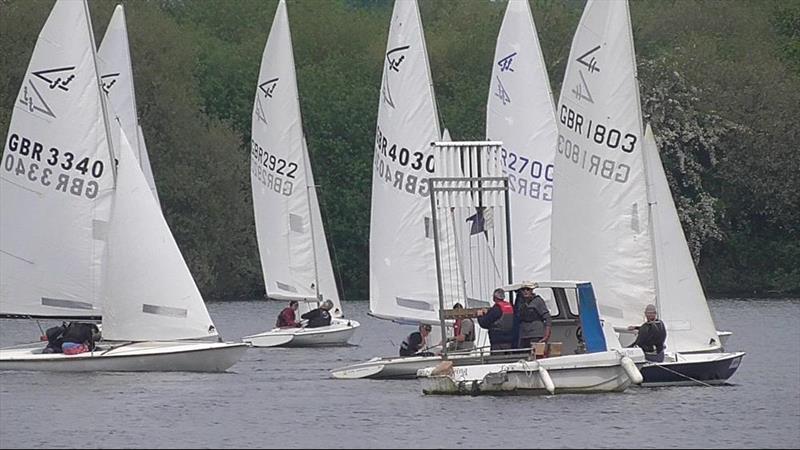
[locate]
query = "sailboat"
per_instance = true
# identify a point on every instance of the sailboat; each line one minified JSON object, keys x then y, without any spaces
{"x":603,"y":178}
{"x":291,"y":238}
{"x":680,"y":299}
{"x":78,"y":233}
{"x":403,"y":280}
{"x":116,"y":76}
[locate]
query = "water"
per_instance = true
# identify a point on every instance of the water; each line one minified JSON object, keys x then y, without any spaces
{"x":285,"y":398}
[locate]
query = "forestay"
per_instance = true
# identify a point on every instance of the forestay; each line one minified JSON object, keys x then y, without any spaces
{"x":600,"y":229}
{"x":116,"y":76}
{"x":56,"y":163}
{"x":403,"y":284}
{"x":150,"y":293}
{"x":291,"y":238}
{"x":520,"y":113}
{"x":680,"y":299}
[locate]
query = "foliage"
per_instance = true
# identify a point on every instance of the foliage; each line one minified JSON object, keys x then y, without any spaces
{"x":720,"y":82}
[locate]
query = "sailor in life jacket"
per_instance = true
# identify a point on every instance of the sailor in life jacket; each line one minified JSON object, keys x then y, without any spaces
{"x":286,"y":319}
{"x":320,"y":317}
{"x":416,"y":341}
{"x":499,"y":320}
{"x":463,"y":333}
{"x":652,"y":335}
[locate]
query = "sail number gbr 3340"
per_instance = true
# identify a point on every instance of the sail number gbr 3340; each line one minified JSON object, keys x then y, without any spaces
{"x":35,"y":162}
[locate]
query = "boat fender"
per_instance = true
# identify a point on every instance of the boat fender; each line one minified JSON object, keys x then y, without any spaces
{"x":630,"y":369}
{"x":544,"y":375}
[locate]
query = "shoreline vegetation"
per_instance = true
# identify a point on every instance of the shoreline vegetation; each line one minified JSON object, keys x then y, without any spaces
{"x":719,"y":82}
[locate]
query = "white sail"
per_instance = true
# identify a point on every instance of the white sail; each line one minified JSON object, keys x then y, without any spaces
{"x":278,"y":173}
{"x":403,"y":281}
{"x":680,"y":299}
{"x":520,"y":113}
{"x":150,"y":293}
{"x":600,"y":229}
{"x":144,"y":163}
{"x":56,"y":177}
{"x":327,"y":282}
{"x":116,"y":75}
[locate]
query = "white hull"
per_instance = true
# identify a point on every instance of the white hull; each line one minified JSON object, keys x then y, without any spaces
{"x":592,"y":372}
{"x":337,"y":333}
{"x":171,"y":356}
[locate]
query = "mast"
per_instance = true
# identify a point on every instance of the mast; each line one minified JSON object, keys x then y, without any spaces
{"x":102,"y":93}
{"x":307,"y":164}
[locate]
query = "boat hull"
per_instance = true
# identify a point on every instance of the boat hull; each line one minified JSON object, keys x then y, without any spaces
{"x":692,"y":370}
{"x":174,"y":356}
{"x":337,"y":333}
{"x":595,"y":372}
{"x":399,"y":368}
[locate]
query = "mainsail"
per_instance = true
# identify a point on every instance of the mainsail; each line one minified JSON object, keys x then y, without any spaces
{"x":600,"y":224}
{"x":291,"y":240}
{"x":520,"y":113}
{"x":403,"y":281}
{"x":116,"y":76}
{"x":57,"y":178}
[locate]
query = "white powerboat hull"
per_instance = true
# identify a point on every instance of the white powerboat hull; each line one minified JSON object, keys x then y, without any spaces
{"x":610,"y":371}
{"x":170,"y":356}
{"x":337,"y":333}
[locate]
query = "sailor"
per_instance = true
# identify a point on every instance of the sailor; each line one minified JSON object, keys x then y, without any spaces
{"x":286,"y":319}
{"x":416,"y":341}
{"x":463,"y":333}
{"x":534,"y":317}
{"x":320,"y":317}
{"x":652,"y":335}
{"x":499,"y":320}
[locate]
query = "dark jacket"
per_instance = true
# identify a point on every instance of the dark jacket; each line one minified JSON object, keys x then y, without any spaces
{"x":499,"y":320}
{"x":651,"y":337}
{"x":81,"y":333}
{"x":286,"y":319}
{"x":412,"y":344}
{"x":317,"y":318}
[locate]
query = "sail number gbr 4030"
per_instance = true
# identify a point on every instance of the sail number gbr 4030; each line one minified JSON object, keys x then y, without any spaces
{"x":276,"y":174}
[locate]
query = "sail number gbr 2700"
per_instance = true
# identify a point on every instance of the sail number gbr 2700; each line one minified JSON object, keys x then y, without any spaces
{"x":276,"y":174}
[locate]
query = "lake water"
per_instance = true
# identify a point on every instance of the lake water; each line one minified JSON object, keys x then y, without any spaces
{"x":286,"y":398}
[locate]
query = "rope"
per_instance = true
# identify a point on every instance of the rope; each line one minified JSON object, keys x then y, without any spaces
{"x":683,"y":375}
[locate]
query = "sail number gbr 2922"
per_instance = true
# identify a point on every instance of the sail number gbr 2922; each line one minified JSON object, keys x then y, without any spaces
{"x":277,"y":174}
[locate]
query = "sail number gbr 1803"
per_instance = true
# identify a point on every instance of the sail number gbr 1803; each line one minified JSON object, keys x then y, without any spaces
{"x":595,"y":131}
{"x":276,"y":174}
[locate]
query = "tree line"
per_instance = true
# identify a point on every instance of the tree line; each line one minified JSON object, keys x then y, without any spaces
{"x":719,"y":82}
